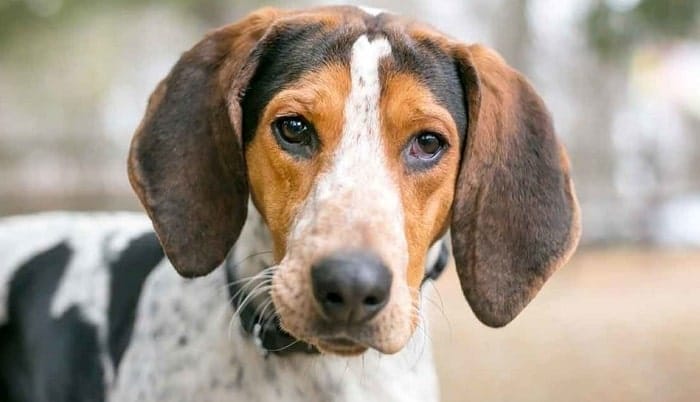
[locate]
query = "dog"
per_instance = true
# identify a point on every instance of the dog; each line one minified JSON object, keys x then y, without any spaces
{"x":308,"y":166}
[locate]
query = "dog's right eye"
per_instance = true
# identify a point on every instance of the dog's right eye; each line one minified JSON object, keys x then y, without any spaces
{"x":295,"y":135}
{"x":294,"y":130}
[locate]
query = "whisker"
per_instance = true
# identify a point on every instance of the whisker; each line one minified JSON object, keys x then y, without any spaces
{"x":261,"y":281}
{"x":248,"y":279}
{"x":264,"y":277}
{"x":255,"y":292}
{"x":267,"y":272}
{"x":439,"y":307}
{"x":272,"y":318}
{"x":437,"y":291}
{"x":284,"y":347}
{"x":249,"y":256}
{"x":238,"y":263}
{"x":419,"y":348}
{"x":262,"y":318}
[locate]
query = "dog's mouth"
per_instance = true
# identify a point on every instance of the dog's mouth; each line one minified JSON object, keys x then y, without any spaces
{"x":263,"y":325}
{"x":275,"y":326}
{"x":271,"y":337}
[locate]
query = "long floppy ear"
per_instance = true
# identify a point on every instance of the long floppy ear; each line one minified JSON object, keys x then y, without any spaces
{"x":515,"y":213}
{"x":186,"y":160}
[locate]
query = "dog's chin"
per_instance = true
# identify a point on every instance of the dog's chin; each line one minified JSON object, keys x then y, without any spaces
{"x":387,"y":334}
{"x":350,"y":346}
{"x":340,"y":347}
{"x":345,"y":342}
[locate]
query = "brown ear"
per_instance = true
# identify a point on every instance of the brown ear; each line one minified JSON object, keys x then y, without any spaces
{"x":515,"y":213}
{"x":186,"y":160}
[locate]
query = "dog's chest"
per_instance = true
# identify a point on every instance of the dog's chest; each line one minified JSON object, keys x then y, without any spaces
{"x":185,"y":347}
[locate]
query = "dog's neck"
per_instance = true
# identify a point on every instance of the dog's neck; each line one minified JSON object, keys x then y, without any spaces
{"x":251,"y":255}
{"x":267,"y":334}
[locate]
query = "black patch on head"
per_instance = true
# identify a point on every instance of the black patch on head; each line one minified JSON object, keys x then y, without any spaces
{"x":434,"y":68}
{"x":374,"y":25}
{"x":284,"y":57}
{"x":128,"y":273}
{"x":293,"y":50}
{"x":43,"y":358}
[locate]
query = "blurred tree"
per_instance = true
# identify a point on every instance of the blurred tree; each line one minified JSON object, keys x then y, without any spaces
{"x":614,"y":28}
{"x":20,"y":16}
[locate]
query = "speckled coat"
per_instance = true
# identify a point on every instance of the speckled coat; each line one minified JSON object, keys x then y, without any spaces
{"x":91,"y":311}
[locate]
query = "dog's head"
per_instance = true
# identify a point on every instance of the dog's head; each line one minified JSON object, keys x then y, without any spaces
{"x":361,"y":138}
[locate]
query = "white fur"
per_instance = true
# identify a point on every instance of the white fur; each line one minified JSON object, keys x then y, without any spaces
{"x":218,"y":363}
{"x":184,"y":346}
{"x":355,"y":204}
{"x":360,"y":170}
{"x":373,"y":11}
{"x":359,"y":174}
{"x":88,"y":235}
{"x":93,"y":239}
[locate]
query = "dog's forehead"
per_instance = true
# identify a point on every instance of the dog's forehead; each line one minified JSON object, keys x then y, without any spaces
{"x":307,"y":42}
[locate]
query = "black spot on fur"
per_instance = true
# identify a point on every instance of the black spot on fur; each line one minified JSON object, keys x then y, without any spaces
{"x":44,"y":359}
{"x":128,"y":273}
{"x":285,"y":56}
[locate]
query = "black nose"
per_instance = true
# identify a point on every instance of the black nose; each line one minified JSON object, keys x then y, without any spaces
{"x":351,"y":287}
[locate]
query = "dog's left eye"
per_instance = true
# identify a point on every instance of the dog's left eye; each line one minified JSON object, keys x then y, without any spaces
{"x":295,"y":135}
{"x":425,"y":149}
{"x":426,"y":146}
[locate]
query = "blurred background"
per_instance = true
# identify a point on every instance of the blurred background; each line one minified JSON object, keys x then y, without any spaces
{"x":621,"y":322}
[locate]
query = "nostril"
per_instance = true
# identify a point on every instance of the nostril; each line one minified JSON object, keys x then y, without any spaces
{"x":371,"y":301}
{"x":334,"y":298}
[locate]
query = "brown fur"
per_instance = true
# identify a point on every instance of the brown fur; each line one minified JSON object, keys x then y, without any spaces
{"x":279,"y":182}
{"x":508,"y":197}
{"x":183,"y":155}
{"x":408,"y":108}
{"x":516,"y":216}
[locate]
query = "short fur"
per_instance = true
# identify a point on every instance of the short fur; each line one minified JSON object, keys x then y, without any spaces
{"x":90,"y":309}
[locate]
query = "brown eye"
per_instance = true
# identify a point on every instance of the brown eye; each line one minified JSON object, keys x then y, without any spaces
{"x":296,"y":136}
{"x":426,"y":146}
{"x":424,"y":150}
{"x":293,"y":130}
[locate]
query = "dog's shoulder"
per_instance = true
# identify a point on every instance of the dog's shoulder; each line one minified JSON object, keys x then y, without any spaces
{"x":69,"y":288}
{"x":73,"y":247}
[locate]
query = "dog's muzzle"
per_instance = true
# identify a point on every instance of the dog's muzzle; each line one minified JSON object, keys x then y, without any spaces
{"x":350,"y":288}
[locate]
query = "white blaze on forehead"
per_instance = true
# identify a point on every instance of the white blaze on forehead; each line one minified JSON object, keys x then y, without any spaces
{"x":360,"y":149}
{"x":372,"y":10}
{"x":358,"y":192}
{"x":354,"y":204}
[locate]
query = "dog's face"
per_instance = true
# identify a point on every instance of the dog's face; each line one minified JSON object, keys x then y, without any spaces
{"x":351,"y":151}
{"x":361,"y":139}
